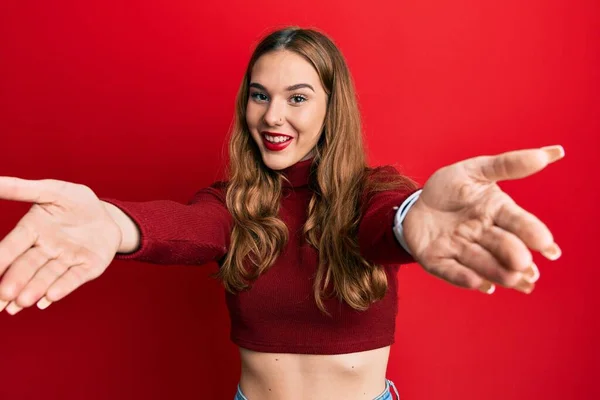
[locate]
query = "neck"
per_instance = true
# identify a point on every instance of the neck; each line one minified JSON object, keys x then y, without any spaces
{"x":297,"y":174}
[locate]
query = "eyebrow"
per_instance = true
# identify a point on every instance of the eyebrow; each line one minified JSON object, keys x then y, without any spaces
{"x":289,"y":88}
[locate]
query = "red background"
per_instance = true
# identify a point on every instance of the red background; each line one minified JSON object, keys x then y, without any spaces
{"x":135,"y":100}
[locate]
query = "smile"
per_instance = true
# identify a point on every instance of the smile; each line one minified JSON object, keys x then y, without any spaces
{"x":277,"y":139}
{"x":276,"y":142}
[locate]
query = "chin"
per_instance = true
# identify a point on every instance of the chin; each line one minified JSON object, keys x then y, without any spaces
{"x":278,"y":162}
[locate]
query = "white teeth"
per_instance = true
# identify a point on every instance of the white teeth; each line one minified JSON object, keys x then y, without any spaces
{"x":277,"y":139}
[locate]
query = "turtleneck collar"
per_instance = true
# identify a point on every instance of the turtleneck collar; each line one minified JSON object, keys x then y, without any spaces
{"x":297,"y":174}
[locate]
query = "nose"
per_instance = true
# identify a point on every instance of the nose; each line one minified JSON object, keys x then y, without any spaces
{"x":275,"y":114}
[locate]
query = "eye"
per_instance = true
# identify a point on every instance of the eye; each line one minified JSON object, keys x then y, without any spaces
{"x":259,"y":97}
{"x":298,"y":98}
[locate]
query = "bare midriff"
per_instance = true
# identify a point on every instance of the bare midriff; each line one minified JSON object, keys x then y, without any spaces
{"x":275,"y":376}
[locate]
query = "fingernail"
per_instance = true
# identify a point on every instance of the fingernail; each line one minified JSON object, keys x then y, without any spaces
{"x":552,"y":253}
{"x":2,"y":305}
{"x":554,"y":153}
{"x":43,"y":303}
{"x":524,"y":286}
{"x":13,"y":308}
{"x":487,"y":287}
{"x":532,"y":274}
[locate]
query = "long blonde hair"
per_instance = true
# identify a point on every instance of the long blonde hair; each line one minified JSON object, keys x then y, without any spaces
{"x":340,"y":180}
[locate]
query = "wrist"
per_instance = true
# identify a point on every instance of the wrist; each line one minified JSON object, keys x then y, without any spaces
{"x":130,"y":235}
{"x":399,"y":220}
{"x":408,"y":226}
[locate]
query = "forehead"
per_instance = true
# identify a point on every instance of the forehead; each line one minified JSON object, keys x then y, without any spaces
{"x":279,"y":69}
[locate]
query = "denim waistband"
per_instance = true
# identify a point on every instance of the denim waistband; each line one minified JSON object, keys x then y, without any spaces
{"x":385,"y":395}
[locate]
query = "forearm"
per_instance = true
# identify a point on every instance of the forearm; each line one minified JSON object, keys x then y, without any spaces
{"x":167,"y":232}
{"x":376,"y":236}
{"x":130,"y":233}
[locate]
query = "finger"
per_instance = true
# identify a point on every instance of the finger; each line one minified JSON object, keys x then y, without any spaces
{"x":456,"y":274}
{"x":12,"y":246}
{"x":39,"y":284}
{"x":478,"y":259}
{"x":32,"y":191}
{"x":21,"y":271}
{"x":514,"y":164}
{"x":43,"y":303}
{"x":505,"y":247}
{"x":68,"y":282}
{"x":528,"y":228}
{"x":12,"y":308}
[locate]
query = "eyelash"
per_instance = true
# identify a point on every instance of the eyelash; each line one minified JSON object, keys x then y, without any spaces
{"x":255,"y":95}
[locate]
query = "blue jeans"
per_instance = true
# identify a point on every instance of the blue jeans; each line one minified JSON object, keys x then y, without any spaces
{"x":385,"y":395}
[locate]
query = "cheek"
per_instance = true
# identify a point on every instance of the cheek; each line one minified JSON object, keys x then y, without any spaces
{"x":250,"y":117}
{"x":301,"y":116}
{"x":309,"y":120}
{"x":254,"y":113}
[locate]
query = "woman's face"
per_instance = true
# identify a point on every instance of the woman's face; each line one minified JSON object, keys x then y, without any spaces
{"x":286,"y":108}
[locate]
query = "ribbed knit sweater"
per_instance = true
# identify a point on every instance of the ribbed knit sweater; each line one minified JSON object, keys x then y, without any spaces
{"x":278,"y":313}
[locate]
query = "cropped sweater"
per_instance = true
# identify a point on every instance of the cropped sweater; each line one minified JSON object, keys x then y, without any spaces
{"x":278,"y":313}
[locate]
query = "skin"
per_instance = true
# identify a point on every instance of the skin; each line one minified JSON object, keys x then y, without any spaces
{"x":463,"y":229}
{"x":299,"y":113}
{"x":470,"y":248}
{"x":278,"y":104}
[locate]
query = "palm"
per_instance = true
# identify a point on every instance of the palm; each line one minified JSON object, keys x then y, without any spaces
{"x":66,"y":239}
{"x":452,"y":190}
{"x":466,"y":230}
{"x":70,"y":230}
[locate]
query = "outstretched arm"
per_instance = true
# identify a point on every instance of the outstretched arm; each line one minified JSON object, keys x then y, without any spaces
{"x":168,"y":232}
{"x":69,"y":237}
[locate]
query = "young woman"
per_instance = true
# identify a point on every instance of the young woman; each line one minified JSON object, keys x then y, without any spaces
{"x":308,"y":237}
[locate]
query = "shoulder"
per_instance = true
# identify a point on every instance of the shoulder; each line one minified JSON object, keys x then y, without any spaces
{"x":384,"y":181}
{"x":385,"y":176}
{"x":216,"y":192}
{"x":381,"y":173}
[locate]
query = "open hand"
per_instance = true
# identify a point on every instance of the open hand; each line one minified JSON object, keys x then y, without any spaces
{"x":466,"y":230}
{"x":66,"y":239}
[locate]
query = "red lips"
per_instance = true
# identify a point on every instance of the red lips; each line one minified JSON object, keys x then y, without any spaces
{"x":276,"y":146}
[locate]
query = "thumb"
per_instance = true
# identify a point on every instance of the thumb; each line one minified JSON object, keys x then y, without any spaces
{"x":513,"y":164}
{"x":32,"y":191}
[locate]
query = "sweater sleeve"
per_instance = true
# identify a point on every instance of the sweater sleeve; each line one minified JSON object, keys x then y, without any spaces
{"x":376,"y":238}
{"x":173,"y":233}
